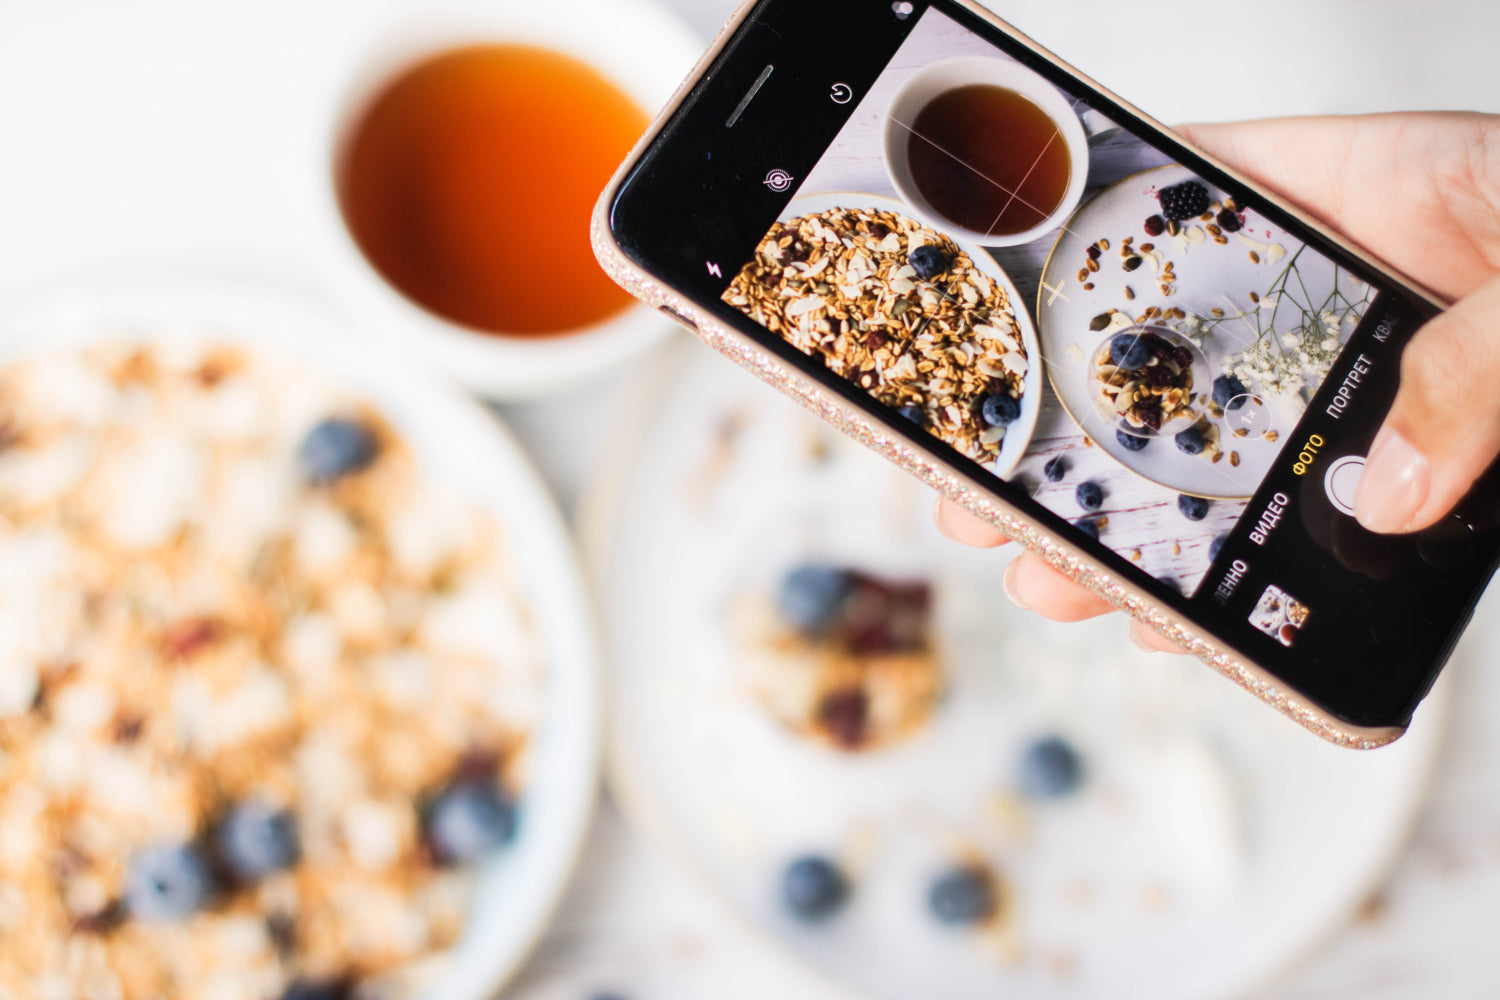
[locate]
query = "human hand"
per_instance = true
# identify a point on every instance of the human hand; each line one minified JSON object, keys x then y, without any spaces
{"x":1421,"y":192}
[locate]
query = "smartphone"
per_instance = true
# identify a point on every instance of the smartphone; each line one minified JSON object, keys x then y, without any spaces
{"x":1126,"y":356}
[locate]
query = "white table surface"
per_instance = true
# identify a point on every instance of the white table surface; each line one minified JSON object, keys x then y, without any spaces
{"x":172,"y":134}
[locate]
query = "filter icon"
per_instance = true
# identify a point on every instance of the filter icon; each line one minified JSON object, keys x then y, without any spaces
{"x":779,"y":180}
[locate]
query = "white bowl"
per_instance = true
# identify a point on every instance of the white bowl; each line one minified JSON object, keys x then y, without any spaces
{"x":962,"y":71}
{"x":459,"y":443}
{"x":640,"y":47}
{"x":1018,"y":435}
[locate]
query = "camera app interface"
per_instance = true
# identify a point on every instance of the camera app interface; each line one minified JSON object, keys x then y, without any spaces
{"x":1007,"y":269}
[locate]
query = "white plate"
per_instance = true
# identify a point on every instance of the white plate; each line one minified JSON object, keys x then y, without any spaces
{"x":1210,"y":276}
{"x":459,"y":443}
{"x":1018,"y":434}
{"x":1133,"y":888}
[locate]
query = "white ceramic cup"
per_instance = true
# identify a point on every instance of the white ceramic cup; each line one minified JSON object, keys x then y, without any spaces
{"x":962,"y":71}
{"x":638,"y":46}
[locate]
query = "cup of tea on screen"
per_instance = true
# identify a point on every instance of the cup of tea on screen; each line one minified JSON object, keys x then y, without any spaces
{"x":986,"y":149}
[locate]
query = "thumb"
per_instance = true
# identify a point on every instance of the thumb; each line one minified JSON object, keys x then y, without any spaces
{"x":1443,"y":430}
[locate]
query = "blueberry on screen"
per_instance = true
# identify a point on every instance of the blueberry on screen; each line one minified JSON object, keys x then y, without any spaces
{"x":1193,"y":508}
{"x":914,"y":414}
{"x":468,"y":820}
{"x":1215,"y":546}
{"x":812,"y":595}
{"x":1089,"y":526}
{"x":1050,"y":768}
{"x":929,"y":261}
{"x":1000,"y":410}
{"x":1090,"y":495}
{"x":167,"y":882}
{"x":1226,"y":388}
{"x":1190,"y":441}
{"x":1130,"y":442}
{"x":1129,"y":350}
{"x":813,"y":888}
{"x":1055,"y":469}
{"x":255,"y":840}
{"x":962,"y":896}
{"x":335,"y":448}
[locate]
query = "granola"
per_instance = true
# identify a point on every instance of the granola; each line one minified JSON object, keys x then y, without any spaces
{"x":845,"y":285}
{"x":1144,"y":379}
{"x":842,"y":657}
{"x":191,"y":623}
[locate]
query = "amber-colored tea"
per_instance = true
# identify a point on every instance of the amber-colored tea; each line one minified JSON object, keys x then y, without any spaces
{"x":989,"y":160}
{"x":469,"y":181}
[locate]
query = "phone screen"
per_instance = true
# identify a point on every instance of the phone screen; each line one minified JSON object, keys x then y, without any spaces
{"x":1012,"y":269}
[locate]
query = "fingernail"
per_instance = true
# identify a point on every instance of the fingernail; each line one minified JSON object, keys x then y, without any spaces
{"x":1138,"y":637}
{"x":1393,"y":485}
{"x":939,"y":519}
{"x":1008,"y":582}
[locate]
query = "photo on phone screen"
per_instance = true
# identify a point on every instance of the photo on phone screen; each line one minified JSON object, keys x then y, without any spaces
{"x":1180,"y":336}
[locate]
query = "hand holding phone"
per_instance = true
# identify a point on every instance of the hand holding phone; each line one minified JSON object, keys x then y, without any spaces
{"x":1353,"y":173}
{"x":1156,"y":373}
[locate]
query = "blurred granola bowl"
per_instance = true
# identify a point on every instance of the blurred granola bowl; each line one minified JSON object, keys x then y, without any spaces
{"x":928,"y":324}
{"x":292,"y":759}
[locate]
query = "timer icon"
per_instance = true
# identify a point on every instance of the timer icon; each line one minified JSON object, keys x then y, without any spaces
{"x":842,"y":93}
{"x":779,"y":180}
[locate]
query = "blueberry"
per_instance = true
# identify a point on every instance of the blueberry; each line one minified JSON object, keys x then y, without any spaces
{"x":468,"y":820}
{"x":929,"y":261}
{"x":1000,"y":409}
{"x":1089,"y":526}
{"x":1130,"y":442}
{"x":1216,"y":545}
{"x":1190,"y":441}
{"x":914,"y":414}
{"x":813,"y":888}
{"x":1193,"y":508}
{"x":962,"y":896}
{"x":1226,"y":388}
{"x":1050,"y":769}
{"x":1055,"y":469}
{"x":1090,"y":495}
{"x":812,"y":596}
{"x":334,"y":449}
{"x":167,"y":882}
{"x":255,"y":840}
{"x":1129,"y":350}
{"x":317,"y":989}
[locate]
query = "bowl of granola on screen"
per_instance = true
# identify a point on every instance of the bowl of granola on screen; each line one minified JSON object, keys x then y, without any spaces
{"x":928,"y":325}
